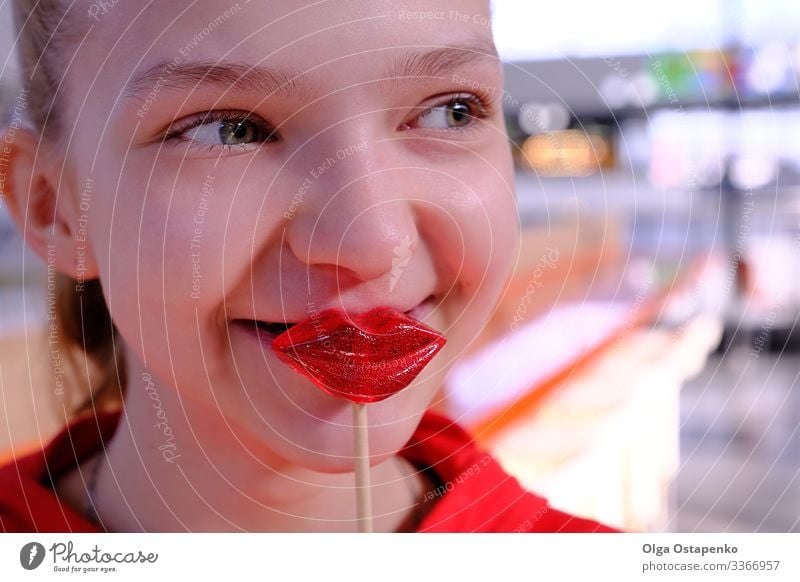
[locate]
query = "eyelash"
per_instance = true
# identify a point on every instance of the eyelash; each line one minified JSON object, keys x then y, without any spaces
{"x":481,"y":103}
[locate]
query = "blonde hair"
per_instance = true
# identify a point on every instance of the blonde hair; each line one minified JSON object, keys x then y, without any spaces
{"x":86,"y":332}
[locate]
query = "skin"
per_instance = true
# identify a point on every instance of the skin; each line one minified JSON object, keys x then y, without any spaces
{"x":217,"y":434}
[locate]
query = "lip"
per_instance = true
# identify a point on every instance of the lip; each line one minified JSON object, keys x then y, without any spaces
{"x":363,"y":358}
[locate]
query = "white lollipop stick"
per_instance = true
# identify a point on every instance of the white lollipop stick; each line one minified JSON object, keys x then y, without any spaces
{"x":363,"y":491}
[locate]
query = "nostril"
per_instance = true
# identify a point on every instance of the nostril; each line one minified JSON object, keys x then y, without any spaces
{"x":343,"y":275}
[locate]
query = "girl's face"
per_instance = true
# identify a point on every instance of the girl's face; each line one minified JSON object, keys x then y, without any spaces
{"x":266,"y":159}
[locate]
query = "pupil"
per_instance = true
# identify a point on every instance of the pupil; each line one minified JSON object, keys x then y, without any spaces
{"x":459,"y":113}
{"x":234,"y":132}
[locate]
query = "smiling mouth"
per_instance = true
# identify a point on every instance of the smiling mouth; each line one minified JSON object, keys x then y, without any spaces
{"x":275,"y":328}
{"x":263,"y":330}
{"x":272,"y":328}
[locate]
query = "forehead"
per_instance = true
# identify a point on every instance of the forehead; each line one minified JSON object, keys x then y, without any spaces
{"x":350,"y":39}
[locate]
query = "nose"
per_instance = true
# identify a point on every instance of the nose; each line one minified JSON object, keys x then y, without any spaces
{"x":356,"y":215}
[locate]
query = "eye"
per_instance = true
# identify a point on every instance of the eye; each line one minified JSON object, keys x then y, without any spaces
{"x":456,"y":113}
{"x":229,"y":129}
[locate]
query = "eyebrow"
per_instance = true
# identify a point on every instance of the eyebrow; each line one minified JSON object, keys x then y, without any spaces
{"x":166,"y":76}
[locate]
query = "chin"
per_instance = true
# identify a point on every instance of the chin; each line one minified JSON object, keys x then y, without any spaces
{"x":327,"y":446}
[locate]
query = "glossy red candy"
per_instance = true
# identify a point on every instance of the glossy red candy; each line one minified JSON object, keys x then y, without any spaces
{"x":363,"y":358}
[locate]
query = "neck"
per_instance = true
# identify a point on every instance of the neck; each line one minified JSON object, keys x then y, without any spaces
{"x":214,"y":479}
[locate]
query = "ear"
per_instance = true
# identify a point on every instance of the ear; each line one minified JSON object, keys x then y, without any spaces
{"x":47,"y":215}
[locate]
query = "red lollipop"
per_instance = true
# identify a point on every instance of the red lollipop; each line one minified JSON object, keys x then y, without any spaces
{"x":362,"y":358}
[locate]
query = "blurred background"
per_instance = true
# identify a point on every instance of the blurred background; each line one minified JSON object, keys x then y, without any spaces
{"x":643,"y":365}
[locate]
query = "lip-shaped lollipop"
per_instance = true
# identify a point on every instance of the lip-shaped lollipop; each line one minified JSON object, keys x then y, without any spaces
{"x":363,"y":358}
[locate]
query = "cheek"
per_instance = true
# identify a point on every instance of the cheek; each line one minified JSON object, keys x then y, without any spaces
{"x":175,"y":253}
{"x":476,"y":230}
{"x":473,"y":233}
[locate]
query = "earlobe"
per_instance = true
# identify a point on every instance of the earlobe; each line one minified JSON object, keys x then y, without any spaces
{"x":44,"y":217}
